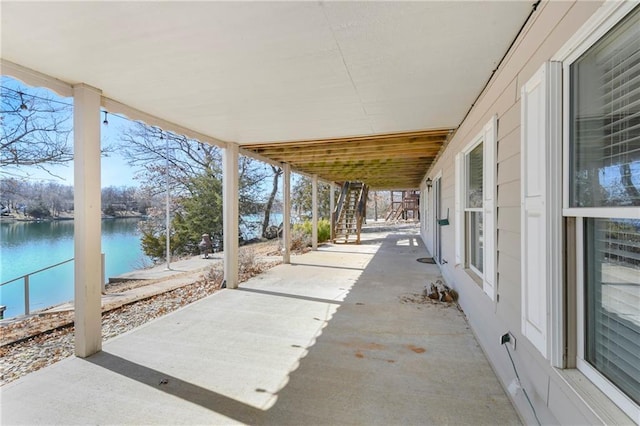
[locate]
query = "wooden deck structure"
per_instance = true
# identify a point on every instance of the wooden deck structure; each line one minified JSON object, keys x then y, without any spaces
{"x":382,"y":162}
{"x":407,"y":207}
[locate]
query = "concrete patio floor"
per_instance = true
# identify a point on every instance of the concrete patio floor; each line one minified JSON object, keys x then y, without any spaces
{"x":337,"y":337}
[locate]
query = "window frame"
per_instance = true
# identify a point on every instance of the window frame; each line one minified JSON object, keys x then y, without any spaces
{"x":609,"y":15}
{"x":603,"y":383}
{"x":469,"y":243}
{"x":467,"y":210}
{"x":487,"y":278}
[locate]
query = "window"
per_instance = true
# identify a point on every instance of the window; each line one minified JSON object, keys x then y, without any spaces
{"x":602,"y":178}
{"x":473,"y":209}
{"x":475,"y":190}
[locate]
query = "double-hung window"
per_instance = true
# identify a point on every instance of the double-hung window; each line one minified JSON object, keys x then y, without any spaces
{"x":475,"y":226}
{"x":473,"y":209}
{"x":602,"y":193}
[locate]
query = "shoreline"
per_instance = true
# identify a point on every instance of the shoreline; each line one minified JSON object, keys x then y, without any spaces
{"x":13,"y":219}
{"x":140,"y":277}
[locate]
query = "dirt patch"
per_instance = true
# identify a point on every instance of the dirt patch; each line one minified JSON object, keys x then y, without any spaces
{"x":416,"y":349}
{"x":34,"y":325}
{"x":422,"y":299}
{"x":417,"y":298}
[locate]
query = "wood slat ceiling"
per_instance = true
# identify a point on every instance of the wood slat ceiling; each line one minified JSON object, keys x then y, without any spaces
{"x":390,"y":161}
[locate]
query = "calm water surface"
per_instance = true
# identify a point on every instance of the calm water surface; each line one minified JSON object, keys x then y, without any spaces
{"x":28,"y":246}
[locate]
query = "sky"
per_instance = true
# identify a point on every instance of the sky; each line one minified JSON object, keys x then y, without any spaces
{"x":114,"y":169}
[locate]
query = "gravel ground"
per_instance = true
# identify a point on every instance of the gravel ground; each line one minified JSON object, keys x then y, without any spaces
{"x":48,"y":347}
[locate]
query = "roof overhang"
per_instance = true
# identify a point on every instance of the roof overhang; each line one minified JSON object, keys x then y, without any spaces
{"x":274,"y":72}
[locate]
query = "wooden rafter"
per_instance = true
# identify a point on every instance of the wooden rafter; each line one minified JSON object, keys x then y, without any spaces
{"x":388,"y":161}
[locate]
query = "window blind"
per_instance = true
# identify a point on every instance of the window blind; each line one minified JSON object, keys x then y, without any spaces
{"x":613,"y":301}
{"x":605,"y":84}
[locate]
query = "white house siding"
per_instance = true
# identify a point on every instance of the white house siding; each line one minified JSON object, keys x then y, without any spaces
{"x":554,"y":399}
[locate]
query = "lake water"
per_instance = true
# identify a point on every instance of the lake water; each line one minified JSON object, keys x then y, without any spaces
{"x":28,"y":246}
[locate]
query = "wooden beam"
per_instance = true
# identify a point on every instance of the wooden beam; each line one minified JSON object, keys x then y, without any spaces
{"x":442,"y":133}
{"x":398,"y":167}
{"x":410,"y":171}
{"x":338,"y":156}
{"x":379,"y":144}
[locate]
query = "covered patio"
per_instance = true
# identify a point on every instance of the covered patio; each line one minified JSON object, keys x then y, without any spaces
{"x":337,"y":90}
{"x":339,"y":336}
{"x":370,"y":91}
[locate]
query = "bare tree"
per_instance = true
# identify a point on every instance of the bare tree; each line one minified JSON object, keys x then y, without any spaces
{"x":34,"y":130}
{"x":151,"y":149}
{"x":193,"y":170}
{"x":277,"y":172}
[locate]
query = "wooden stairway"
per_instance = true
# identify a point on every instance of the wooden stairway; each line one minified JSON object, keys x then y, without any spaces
{"x":349,"y":213}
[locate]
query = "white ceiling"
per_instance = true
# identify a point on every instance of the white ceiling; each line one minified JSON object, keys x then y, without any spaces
{"x":272,"y":71}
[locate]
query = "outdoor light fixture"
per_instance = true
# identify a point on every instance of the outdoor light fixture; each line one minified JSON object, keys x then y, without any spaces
{"x":23,"y":106}
{"x":105,"y":122}
{"x":429,"y":183}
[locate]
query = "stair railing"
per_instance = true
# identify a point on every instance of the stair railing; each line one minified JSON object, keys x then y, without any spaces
{"x":339,"y":210}
{"x":26,"y":282}
{"x":361,"y":210}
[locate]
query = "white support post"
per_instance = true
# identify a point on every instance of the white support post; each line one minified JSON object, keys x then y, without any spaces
{"x":314,"y":212}
{"x":332,"y":206}
{"x":87,"y":220}
{"x":167,"y":213}
{"x":103,"y":274}
{"x":286,"y":213}
{"x":230,"y":214}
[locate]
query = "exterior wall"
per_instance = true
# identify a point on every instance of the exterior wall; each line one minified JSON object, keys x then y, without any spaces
{"x":559,"y":396}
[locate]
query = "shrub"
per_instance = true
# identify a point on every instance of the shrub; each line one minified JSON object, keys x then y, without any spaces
{"x":248,"y":262}
{"x":300,"y":240}
{"x":324,"y":230}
